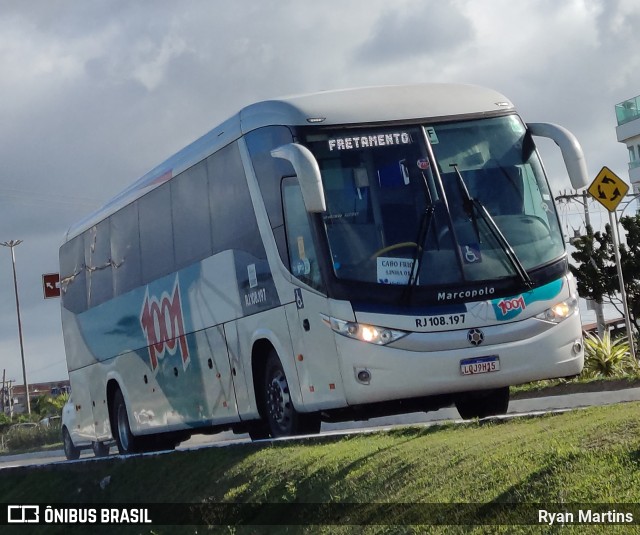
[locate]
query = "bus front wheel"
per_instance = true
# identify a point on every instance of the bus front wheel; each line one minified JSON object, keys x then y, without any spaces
{"x":281,"y":416}
{"x":483,"y":404}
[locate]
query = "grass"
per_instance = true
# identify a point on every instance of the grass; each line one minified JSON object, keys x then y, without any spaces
{"x":630,"y":380}
{"x":587,"y":456}
{"x":54,"y":445}
{"x":29,"y":440}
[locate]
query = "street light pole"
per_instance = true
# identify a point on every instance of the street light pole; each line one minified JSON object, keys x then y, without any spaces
{"x":11,"y":244}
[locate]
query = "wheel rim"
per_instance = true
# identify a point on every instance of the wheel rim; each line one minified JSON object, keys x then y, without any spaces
{"x":123,"y":427}
{"x":279,"y":403}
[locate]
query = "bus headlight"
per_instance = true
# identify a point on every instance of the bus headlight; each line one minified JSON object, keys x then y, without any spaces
{"x":560,"y":311}
{"x":365,"y":333}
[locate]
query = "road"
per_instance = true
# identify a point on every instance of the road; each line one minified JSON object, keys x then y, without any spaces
{"x":516,"y":407}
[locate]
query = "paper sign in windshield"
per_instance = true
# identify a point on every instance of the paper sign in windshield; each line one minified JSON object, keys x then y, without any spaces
{"x":394,"y":270}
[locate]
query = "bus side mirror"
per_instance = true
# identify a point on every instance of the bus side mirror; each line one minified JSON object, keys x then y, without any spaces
{"x":306,"y":168}
{"x":569,"y":147}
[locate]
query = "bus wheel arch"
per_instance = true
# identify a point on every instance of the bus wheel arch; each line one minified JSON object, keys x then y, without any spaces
{"x":259,"y":429}
{"x":259,"y":354}
{"x":112,"y":387}
{"x":279,"y":416}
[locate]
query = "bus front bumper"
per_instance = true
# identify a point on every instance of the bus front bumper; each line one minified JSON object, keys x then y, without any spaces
{"x":374,"y":373}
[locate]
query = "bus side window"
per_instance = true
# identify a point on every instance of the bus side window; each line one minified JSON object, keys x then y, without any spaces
{"x":97,"y":258}
{"x":233,"y":220}
{"x":303,"y":261}
{"x":191,"y":217}
{"x":269,"y":171}
{"x":156,"y":234}
{"x":125,"y":249}
{"x":73,"y":275}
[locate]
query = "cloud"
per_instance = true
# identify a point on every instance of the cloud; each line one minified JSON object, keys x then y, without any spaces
{"x":97,"y":93}
{"x":420,"y":29}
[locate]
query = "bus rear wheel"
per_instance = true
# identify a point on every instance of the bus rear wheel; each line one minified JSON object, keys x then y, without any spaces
{"x":281,"y":416}
{"x":483,"y":404}
{"x":100,"y":449}
{"x":71,"y":452}
{"x":126,"y":441}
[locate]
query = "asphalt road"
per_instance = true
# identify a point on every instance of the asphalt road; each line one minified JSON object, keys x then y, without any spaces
{"x":516,"y":407}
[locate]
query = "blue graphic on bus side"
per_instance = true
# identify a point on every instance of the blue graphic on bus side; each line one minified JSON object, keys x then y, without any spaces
{"x":508,"y":308}
{"x":172,"y":325}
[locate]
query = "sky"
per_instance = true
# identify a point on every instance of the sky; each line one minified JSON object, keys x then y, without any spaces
{"x":95,"y":94}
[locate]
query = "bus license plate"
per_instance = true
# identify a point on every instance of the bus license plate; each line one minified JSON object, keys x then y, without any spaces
{"x":480,"y":365}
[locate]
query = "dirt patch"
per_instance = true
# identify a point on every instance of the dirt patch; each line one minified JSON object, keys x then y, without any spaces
{"x":578,"y":388}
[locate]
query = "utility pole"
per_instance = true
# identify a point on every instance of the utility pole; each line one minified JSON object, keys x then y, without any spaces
{"x":613,"y":219}
{"x":12,"y":244}
{"x":2,"y":400}
{"x":10,"y":393}
{"x":596,"y":305}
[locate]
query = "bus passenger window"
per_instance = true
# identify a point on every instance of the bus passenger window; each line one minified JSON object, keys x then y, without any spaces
{"x":303,"y":261}
{"x":97,"y":259}
{"x":125,"y":249}
{"x":73,"y":281}
{"x":190,"y":213}
{"x":156,"y":234}
{"x":233,"y":220}
{"x":269,"y":172}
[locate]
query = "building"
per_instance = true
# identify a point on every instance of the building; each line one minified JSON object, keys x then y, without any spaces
{"x":628,"y":132}
{"x":12,"y":397}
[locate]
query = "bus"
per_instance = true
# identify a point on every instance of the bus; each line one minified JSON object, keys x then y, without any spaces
{"x":327,"y":257}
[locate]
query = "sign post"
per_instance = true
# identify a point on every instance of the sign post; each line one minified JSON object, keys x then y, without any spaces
{"x":609,"y":189}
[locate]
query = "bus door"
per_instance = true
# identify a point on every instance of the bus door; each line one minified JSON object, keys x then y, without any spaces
{"x":313,"y":342}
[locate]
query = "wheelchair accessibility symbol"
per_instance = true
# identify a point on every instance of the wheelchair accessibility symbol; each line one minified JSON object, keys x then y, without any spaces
{"x":299,"y":301}
{"x":471,"y":253}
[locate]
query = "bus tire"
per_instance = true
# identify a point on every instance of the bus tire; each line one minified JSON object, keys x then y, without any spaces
{"x":100,"y":449}
{"x":157,"y":443}
{"x":281,"y":416}
{"x":126,"y":441}
{"x":71,"y":452}
{"x":258,"y":430}
{"x":484,"y":404}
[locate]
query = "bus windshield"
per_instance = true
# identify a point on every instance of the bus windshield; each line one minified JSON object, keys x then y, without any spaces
{"x":440,"y":204}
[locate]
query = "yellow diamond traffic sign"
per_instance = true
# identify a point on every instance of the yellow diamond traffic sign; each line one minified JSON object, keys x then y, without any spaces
{"x":608,"y":189}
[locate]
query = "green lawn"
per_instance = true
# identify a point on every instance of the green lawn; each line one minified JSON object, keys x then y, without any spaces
{"x":496,"y":474}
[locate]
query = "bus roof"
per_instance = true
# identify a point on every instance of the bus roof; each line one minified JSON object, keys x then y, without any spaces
{"x":374,"y":105}
{"x":339,"y":107}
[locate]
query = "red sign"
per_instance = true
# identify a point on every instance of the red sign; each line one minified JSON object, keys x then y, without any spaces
{"x":51,"y":285}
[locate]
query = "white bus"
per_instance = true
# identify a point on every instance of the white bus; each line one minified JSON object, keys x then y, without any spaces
{"x":328,"y":257}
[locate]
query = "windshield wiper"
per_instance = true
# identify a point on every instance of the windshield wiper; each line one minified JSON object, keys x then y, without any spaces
{"x":423,"y":232}
{"x":473,"y":206}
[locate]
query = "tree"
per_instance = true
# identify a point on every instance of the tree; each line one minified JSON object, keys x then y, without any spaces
{"x":596,"y":271}
{"x":47,"y":405}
